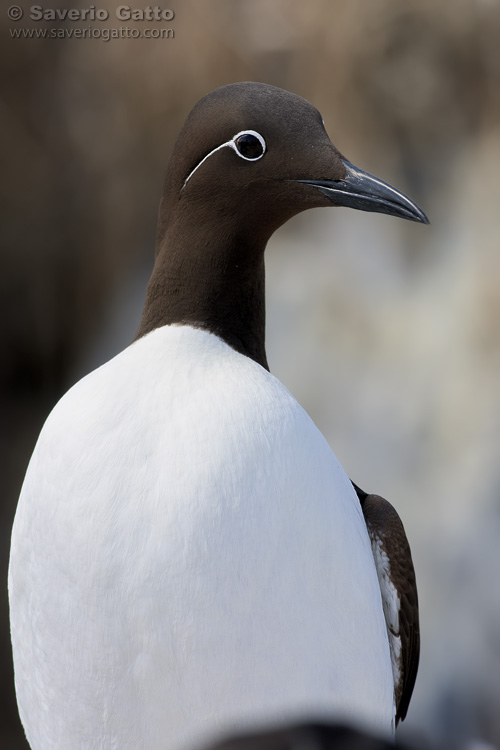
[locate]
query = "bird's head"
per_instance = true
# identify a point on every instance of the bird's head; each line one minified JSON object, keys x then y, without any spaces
{"x":256,"y":155}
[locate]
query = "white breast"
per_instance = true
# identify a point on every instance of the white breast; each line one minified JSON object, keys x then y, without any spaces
{"x":189,"y":556}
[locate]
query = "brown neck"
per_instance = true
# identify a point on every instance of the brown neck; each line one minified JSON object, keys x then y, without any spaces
{"x":210,"y":281}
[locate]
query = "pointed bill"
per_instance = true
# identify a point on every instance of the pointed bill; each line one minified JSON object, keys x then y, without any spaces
{"x":365,"y":192}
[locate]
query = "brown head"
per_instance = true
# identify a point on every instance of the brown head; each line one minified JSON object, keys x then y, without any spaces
{"x":249,"y":157}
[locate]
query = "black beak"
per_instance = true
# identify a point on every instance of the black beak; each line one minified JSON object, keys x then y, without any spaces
{"x":365,"y":192}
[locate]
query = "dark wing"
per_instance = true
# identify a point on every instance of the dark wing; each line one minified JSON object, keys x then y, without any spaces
{"x":398,"y":587}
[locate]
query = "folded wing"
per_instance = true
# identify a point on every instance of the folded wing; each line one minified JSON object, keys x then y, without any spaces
{"x":393,"y":561}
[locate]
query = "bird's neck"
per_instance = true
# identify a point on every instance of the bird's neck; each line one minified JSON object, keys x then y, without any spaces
{"x":214,"y":281}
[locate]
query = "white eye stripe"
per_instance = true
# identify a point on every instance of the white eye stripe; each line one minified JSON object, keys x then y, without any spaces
{"x":232,"y":144}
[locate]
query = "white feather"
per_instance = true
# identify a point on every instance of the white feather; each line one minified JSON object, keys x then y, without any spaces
{"x":391,"y":603}
{"x":188,"y":556}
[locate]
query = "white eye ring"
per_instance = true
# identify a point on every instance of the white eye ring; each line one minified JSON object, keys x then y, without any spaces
{"x":253,"y":133}
{"x":232,"y":144}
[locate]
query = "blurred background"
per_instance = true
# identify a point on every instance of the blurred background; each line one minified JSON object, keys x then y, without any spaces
{"x":387,"y":332}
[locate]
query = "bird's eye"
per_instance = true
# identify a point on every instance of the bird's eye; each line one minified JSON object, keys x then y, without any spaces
{"x":250,"y":145}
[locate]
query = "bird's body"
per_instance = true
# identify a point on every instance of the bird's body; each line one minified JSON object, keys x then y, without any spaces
{"x":188,"y":555}
{"x":208,"y":521}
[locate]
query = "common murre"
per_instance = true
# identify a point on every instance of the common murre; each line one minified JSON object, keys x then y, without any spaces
{"x":188,"y":554}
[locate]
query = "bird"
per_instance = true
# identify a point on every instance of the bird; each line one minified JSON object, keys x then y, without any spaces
{"x":188,"y":556}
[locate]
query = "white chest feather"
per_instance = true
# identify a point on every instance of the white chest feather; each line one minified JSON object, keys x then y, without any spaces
{"x":188,"y":556}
